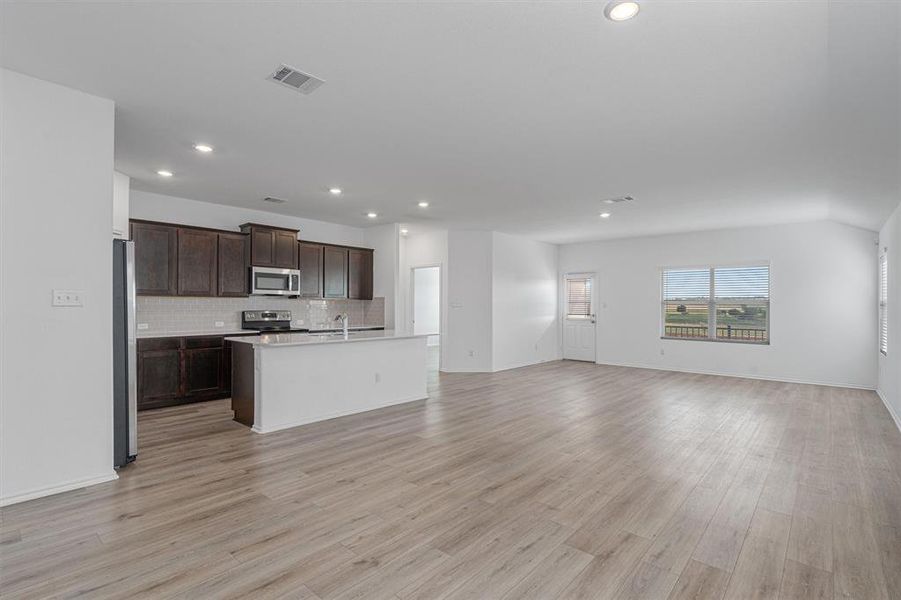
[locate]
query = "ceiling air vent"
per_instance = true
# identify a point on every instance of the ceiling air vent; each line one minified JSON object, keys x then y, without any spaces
{"x":618,"y":200}
{"x":274,"y":200}
{"x":296,"y":80}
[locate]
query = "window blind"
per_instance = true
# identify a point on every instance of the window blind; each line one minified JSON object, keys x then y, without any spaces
{"x":728,"y":304}
{"x":883,"y":304}
{"x":742,"y":283}
{"x":578,"y":297}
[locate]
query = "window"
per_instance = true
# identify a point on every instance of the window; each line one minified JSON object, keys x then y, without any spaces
{"x":883,"y":304}
{"x":727,"y":304}
{"x":578,"y":297}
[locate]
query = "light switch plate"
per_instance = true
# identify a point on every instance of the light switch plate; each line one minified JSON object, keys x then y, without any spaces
{"x":68,"y":297}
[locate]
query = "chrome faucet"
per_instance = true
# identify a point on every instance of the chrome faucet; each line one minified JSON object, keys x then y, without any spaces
{"x":343,"y":318}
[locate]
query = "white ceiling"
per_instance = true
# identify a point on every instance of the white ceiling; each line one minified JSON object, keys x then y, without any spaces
{"x":515,"y":116}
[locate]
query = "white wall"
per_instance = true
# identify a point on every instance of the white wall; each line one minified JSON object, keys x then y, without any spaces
{"x":56,"y":165}
{"x":823,"y":291}
{"x":385,"y":240}
{"x":171,"y":209}
{"x":890,"y":364}
{"x":524,"y":302}
{"x":466,"y":341}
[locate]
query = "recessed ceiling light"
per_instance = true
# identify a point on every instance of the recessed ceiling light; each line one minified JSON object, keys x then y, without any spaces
{"x":334,"y":191}
{"x":605,"y":215}
{"x":372,"y":215}
{"x":204,"y":148}
{"x":404,"y":231}
{"x":423,"y":204}
{"x":621,"y":10}
{"x":163,"y":173}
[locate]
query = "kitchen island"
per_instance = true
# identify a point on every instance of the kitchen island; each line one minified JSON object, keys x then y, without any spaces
{"x":289,"y":379}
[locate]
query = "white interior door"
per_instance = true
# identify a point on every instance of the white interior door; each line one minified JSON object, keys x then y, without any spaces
{"x":579,"y":318}
{"x":426,"y":290}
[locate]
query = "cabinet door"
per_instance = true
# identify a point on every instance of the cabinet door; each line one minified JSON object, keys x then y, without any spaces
{"x":359,"y":274}
{"x":262,"y":247}
{"x":155,"y":259}
{"x":159,"y":372}
{"x":234,"y":258}
{"x":285,"y":249}
{"x":310,"y":263}
{"x":197,"y":260}
{"x":334,"y":272}
{"x":203,"y":371}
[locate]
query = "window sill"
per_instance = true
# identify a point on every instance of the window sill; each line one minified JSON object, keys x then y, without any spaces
{"x":716,"y":341}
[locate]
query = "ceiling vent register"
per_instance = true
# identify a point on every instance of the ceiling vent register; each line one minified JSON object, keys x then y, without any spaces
{"x":296,"y":80}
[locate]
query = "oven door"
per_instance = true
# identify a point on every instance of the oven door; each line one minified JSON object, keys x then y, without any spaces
{"x":274,"y":282}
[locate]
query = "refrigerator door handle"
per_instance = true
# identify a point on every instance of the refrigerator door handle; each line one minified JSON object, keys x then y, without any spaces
{"x":132,"y":346}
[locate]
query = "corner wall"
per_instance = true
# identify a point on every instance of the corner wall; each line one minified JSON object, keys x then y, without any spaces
{"x":822,"y":289}
{"x":524,"y":302}
{"x":56,"y":202}
{"x":889,"y":386}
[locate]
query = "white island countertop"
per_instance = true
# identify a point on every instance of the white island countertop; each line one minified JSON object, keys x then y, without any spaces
{"x":309,"y":339}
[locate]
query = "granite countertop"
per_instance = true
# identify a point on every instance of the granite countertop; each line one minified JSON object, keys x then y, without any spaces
{"x":309,"y":339}
{"x":146,"y":333}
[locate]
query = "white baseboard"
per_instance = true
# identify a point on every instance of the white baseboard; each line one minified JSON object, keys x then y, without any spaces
{"x":289,"y":425}
{"x":840,"y":384}
{"x":891,"y":410}
{"x":58,"y":489}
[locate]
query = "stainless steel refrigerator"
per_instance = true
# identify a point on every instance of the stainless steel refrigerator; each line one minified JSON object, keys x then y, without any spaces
{"x":125,"y":355}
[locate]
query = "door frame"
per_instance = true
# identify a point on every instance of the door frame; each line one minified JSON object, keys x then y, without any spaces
{"x":595,"y":298}
{"x":411,"y":299}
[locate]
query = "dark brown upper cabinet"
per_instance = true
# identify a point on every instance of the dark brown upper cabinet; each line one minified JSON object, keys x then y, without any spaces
{"x":197,"y":262}
{"x":334,"y":272}
{"x":359,"y":274}
{"x":156,"y":252}
{"x":234,"y":258}
{"x":272,"y":246}
{"x":309,"y":261}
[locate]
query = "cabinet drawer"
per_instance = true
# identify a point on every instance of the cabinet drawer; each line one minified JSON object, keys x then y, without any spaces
{"x":213,"y":341}
{"x":150,"y":344}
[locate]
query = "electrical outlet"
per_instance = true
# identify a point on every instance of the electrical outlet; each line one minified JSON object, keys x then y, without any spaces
{"x":68,"y":297}
{"x":661,"y":352}
{"x":219,"y":323}
{"x":378,"y":377}
{"x":143,"y":326}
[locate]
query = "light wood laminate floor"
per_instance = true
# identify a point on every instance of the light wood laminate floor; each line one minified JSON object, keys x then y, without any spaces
{"x":562,"y":480}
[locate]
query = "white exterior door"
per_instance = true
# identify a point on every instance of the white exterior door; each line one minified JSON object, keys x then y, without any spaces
{"x":579,"y":318}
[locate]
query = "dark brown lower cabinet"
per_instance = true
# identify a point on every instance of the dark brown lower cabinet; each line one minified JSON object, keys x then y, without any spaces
{"x":159,"y":372}
{"x":180,"y":370}
{"x":203,"y":368}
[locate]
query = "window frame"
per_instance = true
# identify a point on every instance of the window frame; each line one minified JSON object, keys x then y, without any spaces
{"x":591,"y":299}
{"x":711,"y":303}
{"x":882,"y":294}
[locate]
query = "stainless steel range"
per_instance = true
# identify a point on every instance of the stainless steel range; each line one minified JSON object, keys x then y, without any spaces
{"x":268,"y":320}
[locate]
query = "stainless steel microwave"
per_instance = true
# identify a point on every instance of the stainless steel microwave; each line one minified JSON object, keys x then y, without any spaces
{"x":265,"y":281}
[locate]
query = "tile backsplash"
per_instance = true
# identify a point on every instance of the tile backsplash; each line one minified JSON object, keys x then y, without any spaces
{"x":162,"y":314}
